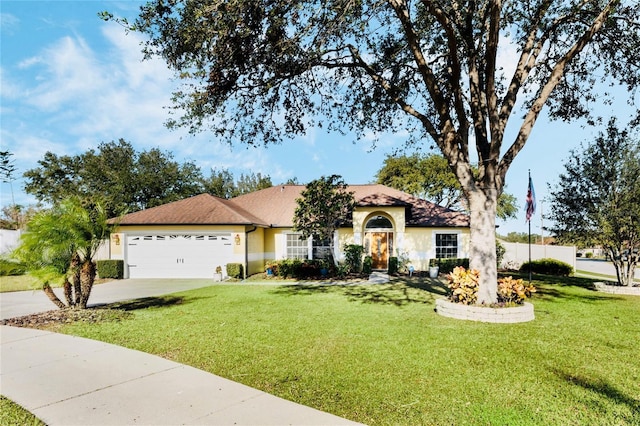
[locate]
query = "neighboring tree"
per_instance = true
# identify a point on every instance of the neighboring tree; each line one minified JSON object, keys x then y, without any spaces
{"x":431,"y":178}
{"x":161,"y":180}
{"x":292,"y":181}
{"x":116,"y":176}
{"x":7,"y":169}
{"x":519,"y":237}
{"x":16,"y":216}
{"x":60,"y":245}
{"x":220,"y":183}
{"x":252,"y":182}
{"x":597,"y":200}
{"x":257,"y":71}
{"x":424,"y":177}
{"x":323,"y":205}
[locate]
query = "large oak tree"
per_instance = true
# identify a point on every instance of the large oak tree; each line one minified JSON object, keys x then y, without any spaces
{"x":258,"y":70}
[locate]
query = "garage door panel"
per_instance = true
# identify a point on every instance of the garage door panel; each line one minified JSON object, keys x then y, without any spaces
{"x":178,"y":255}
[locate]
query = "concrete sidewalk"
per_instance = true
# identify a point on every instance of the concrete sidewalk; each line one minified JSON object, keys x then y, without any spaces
{"x":67,"y":380}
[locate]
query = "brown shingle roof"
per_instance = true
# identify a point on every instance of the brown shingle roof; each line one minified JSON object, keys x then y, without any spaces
{"x":203,"y":209}
{"x":275,"y":207}
{"x":419,"y":212}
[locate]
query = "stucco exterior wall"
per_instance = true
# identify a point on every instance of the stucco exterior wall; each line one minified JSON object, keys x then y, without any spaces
{"x":418,"y":245}
{"x":255,"y":250}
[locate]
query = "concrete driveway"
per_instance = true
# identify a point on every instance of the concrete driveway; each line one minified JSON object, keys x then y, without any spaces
{"x":19,"y":303}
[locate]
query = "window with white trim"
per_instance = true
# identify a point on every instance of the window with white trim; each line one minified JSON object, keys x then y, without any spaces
{"x":321,"y":249}
{"x":297,"y":247}
{"x":446,"y":246}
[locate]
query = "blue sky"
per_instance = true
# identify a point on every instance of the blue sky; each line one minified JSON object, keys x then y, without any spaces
{"x":70,"y":81}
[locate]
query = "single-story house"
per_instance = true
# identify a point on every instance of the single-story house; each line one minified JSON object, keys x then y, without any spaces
{"x":190,"y":238}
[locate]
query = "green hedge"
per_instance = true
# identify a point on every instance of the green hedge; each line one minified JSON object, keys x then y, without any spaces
{"x":447,"y":265}
{"x":367,"y":265}
{"x":235,"y":270}
{"x":8,"y":267}
{"x":548,"y":267}
{"x":112,"y":268}
{"x":393,"y":265}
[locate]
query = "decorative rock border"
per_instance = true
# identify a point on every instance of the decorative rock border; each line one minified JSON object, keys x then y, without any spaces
{"x":617,"y":289}
{"x":523,"y":313}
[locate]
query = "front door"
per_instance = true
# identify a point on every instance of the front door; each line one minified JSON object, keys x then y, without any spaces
{"x":379,"y":250}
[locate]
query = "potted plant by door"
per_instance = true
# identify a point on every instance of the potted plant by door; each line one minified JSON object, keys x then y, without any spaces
{"x":218,"y":274}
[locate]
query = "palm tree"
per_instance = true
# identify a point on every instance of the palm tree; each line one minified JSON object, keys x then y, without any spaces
{"x":60,"y":245}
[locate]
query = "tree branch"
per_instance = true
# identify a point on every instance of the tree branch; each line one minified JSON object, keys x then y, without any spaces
{"x":554,"y":78}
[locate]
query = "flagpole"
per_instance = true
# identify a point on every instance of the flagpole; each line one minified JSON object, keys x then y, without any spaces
{"x":529,"y":238}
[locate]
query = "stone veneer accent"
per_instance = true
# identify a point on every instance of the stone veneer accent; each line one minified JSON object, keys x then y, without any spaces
{"x":515,"y":314}
{"x":617,"y":289}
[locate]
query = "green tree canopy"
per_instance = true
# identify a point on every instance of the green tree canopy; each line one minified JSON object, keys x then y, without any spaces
{"x":125,"y":180}
{"x":323,"y":205}
{"x":116,"y":176}
{"x":260,"y":70}
{"x":221,"y":183}
{"x":597,"y":199}
{"x":430,"y":178}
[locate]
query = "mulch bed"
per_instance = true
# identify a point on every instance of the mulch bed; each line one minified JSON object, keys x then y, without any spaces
{"x":52,"y":320}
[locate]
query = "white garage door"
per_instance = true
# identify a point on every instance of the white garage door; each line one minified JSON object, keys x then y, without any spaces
{"x":178,"y":255}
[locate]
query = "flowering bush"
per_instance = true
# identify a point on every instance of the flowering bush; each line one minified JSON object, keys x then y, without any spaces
{"x":463,"y":284}
{"x":514,"y":291}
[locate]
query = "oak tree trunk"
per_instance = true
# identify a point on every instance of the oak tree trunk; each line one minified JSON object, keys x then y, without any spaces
{"x":482,"y":257}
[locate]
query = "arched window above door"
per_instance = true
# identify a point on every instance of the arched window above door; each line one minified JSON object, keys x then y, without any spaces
{"x":379,"y":222}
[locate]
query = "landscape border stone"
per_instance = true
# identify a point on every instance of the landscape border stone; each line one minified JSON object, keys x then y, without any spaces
{"x":617,"y":289}
{"x":509,"y":315}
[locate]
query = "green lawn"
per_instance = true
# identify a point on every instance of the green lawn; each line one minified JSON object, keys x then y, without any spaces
{"x":13,"y":414}
{"x":26,"y":283}
{"x":380,"y":355}
{"x":18,"y":283}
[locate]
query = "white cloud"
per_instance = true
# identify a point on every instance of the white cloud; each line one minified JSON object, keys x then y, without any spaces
{"x":9,"y":23}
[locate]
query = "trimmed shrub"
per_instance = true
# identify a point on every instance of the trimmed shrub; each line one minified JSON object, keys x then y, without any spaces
{"x":548,"y":267}
{"x":286,"y":268}
{"x":110,"y":268}
{"x":235,"y":270}
{"x":8,"y":267}
{"x":367,"y":265}
{"x":448,"y":265}
{"x":393,"y":265}
{"x":342,"y":269}
{"x":514,"y":291}
{"x":353,"y":257}
{"x":463,"y":285}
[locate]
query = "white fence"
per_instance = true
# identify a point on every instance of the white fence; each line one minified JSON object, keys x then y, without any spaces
{"x":8,"y":240}
{"x":518,"y":253}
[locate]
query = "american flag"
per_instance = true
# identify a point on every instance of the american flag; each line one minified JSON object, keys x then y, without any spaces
{"x":530,"y":206}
